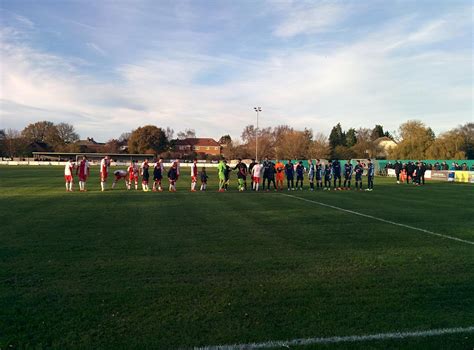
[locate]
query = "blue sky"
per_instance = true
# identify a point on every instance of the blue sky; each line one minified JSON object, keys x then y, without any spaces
{"x":108,"y":67}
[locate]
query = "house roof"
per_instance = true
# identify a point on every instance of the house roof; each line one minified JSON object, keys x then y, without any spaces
{"x":39,"y":146}
{"x":200,"y":141}
{"x":88,"y":142}
{"x":383,"y":138}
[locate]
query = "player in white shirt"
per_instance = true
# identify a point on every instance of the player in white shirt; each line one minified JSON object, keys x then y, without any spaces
{"x":194,"y":175}
{"x":68,"y":168}
{"x":257,"y":168}
{"x":120,"y":174}
{"x":104,"y":172}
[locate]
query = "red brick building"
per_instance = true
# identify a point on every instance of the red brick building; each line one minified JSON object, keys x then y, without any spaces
{"x":199,"y":146}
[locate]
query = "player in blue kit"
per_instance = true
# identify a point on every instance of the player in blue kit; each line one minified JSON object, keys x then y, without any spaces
{"x":311,"y":174}
{"x":370,"y":176}
{"x":319,"y":174}
{"x":336,"y":173}
{"x":300,"y":174}
{"x":348,"y":170}
{"x":327,"y":176}
{"x":359,"y":170}
{"x":290,"y":175}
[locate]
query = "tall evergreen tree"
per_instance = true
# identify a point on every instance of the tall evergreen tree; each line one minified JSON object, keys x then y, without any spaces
{"x":377,"y":132}
{"x":351,"y":137}
{"x":337,"y":137}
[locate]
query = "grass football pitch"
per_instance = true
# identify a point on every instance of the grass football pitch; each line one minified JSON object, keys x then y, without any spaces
{"x":135,"y":270}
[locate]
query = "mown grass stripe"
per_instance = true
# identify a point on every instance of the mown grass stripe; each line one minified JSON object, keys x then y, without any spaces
{"x":382,"y":220}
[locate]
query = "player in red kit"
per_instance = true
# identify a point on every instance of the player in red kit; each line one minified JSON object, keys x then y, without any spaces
{"x":83,"y":170}
{"x":133,"y":174}
{"x":194,"y":175}
{"x":104,"y":172}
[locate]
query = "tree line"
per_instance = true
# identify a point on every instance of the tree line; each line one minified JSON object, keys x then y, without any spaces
{"x":412,"y":140}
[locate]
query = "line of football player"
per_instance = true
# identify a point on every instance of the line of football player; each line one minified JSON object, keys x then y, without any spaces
{"x":264,"y":176}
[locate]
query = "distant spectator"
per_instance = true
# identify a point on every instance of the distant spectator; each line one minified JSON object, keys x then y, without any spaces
{"x":422,"y":173}
{"x":417,"y":174}
{"x":451,"y":174}
{"x":410,"y":170}
{"x":398,"y":168}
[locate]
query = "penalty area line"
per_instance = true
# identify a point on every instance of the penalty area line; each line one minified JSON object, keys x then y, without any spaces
{"x":380,"y":219}
{"x":331,"y":340}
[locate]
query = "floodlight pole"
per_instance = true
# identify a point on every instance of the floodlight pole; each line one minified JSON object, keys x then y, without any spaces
{"x":257,"y":110}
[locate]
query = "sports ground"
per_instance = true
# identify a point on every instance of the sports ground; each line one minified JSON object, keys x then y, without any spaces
{"x":128,"y":269}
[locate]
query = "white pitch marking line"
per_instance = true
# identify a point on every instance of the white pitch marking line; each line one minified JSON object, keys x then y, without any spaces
{"x":382,"y":220}
{"x":329,"y":340}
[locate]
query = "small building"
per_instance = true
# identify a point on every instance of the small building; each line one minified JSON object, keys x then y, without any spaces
{"x":198,"y":146}
{"x":38,"y":146}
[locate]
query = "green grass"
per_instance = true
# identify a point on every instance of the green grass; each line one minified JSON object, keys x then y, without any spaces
{"x":128,"y":269}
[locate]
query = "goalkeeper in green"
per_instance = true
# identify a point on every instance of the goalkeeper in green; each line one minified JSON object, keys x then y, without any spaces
{"x":221,"y":167}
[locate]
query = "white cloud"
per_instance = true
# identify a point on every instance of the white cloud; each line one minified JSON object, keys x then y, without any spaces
{"x":303,"y":19}
{"x":359,"y":84}
{"x":24,"y":21}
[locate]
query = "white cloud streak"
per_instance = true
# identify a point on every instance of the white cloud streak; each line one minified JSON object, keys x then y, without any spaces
{"x":96,"y":48}
{"x":303,"y":19}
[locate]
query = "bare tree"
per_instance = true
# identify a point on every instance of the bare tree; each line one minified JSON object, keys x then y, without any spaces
{"x":66,"y":133}
{"x":169,"y":133}
{"x":320,"y":147}
{"x":124,"y":136}
{"x":14,"y":143}
{"x":187,"y":134}
{"x":365,"y":147}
